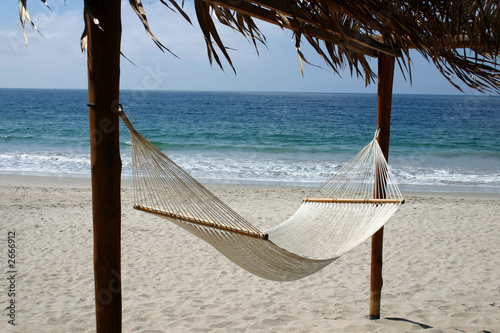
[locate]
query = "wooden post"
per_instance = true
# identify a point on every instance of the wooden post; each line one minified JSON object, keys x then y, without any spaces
{"x":384,"y":102}
{"x":103,"y":95}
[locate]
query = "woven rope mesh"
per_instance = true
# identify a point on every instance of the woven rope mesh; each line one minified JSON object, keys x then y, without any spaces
{"x":317,"y":234}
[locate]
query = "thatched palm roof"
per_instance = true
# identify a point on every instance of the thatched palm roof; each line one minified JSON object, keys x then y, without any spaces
{"x":346,"y":32}
{"x":461,"y":38}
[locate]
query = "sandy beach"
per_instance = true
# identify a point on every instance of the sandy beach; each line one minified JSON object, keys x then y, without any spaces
{"x":441,"y":267}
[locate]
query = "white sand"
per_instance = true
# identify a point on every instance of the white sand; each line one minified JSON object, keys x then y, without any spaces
{"x":441,"y":268}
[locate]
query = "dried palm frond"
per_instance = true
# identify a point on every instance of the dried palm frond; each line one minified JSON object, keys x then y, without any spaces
{"x":244,"y":24}
{"x":139,"y":10}
{"x":25,"y":16}
{"x":95,"y":20}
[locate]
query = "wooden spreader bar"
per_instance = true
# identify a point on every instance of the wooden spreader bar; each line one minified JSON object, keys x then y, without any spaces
{"x":203,"y":222}
{"x":340,"y":200}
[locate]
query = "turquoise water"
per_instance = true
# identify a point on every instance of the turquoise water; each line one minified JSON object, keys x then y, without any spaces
{"x":437,"y":142}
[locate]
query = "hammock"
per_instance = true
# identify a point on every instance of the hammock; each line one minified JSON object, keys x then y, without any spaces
{"x":337,"y":217}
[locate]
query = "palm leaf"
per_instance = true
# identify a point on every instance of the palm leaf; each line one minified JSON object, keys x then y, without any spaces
{"x":25,"y":16}
{"x":139,"y":10}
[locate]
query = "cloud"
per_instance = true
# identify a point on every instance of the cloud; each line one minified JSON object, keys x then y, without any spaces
{"x":50,"y":61}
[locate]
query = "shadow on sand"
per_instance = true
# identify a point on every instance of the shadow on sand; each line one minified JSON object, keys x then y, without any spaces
{"x":424,"y":326}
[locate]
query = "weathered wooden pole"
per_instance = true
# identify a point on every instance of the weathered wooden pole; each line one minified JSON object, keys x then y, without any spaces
{"x":384,"y":103}
{"x":103,"y":92}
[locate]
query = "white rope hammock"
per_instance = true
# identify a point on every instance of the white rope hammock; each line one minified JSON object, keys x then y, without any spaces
{"x":337,"y":217}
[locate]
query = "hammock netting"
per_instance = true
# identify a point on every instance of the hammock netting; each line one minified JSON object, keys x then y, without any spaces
{"x":349,"y":208}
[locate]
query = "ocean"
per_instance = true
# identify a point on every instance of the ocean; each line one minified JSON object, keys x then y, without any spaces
{"x":438,"y":143}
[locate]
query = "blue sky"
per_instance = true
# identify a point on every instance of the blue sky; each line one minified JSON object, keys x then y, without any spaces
{"x":55,"y":60}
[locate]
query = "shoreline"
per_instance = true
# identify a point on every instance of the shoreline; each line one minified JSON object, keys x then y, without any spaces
{"x":85,"y":182}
